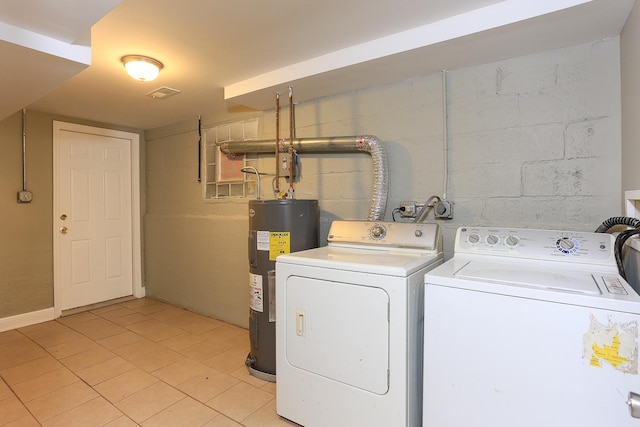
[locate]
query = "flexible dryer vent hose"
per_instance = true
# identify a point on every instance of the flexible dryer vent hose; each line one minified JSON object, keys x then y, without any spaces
{"x":618,"y":220}
{"x":338,"y":144}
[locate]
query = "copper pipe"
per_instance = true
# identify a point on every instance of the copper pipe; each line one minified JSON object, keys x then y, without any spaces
{"x":291,"y":127}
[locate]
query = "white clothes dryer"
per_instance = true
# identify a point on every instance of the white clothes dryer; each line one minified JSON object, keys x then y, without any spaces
{"x":530,"y":328}
{"x":349,"y":325}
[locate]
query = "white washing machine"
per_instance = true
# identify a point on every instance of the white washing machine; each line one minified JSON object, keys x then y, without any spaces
{"x":530,"y":328}
{"x":349,"y":322}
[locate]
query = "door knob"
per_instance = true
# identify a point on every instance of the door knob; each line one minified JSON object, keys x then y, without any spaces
{"x":64,"y":230}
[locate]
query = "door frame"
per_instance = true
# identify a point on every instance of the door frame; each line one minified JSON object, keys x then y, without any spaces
{"x":138,"y":290}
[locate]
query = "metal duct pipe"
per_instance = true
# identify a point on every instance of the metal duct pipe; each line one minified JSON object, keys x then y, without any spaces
{"x":333,"y":144}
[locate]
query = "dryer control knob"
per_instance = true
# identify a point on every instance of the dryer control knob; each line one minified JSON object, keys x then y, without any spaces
{"x":473,"y":238}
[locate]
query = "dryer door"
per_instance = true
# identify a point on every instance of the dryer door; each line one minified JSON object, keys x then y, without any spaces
{"x":339,"y":331}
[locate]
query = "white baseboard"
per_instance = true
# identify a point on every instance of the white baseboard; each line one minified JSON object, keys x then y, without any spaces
{"x":26,"y":319}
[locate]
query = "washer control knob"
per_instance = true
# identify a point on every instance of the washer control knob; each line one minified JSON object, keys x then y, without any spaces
{"x":473,"y":238}
{"x":378,"y":231}
{"x":567,"y":245}
{"x":418,"y":233}
{"x":512,"y":241}
{"x":492,"y":239}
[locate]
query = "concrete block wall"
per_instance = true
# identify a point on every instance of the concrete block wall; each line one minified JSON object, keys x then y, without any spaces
{"x":533,"y":142}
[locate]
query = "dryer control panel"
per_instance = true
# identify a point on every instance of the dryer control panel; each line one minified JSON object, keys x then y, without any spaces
{"x":407,"y":235}
{"x":569,"y":246}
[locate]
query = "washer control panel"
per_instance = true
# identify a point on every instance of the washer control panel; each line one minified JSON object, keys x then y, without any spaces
{"x":540,"y":244}
{"x":386,"y":234}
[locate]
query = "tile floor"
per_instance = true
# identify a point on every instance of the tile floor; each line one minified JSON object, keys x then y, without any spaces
{"x":139,"y":362}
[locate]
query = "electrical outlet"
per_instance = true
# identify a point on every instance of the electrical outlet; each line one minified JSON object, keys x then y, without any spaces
{"x":443,"y":209}
{"x":25,"y":196}
{"x":408,"y":209}
{"x":283,"y":164}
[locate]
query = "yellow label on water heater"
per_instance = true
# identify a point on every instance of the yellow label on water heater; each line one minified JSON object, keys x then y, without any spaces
{"x":279,"y":244}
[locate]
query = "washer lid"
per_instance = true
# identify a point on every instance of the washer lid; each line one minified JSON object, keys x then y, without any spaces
{"x":572,"y":281}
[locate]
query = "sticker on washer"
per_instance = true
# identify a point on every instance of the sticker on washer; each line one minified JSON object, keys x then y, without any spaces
{"x":279,"y":244}
{"x":256,"y":298}
{"x":614,"y":344}
{"x":262,"y":240}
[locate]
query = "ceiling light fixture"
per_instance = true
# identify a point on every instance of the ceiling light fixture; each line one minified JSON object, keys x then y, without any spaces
{"x":141,"y":67}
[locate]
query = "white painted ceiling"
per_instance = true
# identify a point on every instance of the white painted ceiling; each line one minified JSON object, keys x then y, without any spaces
{"x":247,"y":50}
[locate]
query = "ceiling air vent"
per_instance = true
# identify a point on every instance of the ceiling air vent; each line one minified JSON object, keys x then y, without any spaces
{"x":163,"y":92}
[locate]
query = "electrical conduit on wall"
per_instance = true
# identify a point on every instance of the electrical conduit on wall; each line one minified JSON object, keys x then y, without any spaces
{"x":339,"y":144}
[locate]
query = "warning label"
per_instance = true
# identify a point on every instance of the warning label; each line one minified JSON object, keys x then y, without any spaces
{"x":256,"y":296}
{"x":279,"y":244}
{"x":613,"y":343}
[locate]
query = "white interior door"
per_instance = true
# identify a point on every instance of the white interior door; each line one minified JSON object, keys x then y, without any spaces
{"x":96,"y":250}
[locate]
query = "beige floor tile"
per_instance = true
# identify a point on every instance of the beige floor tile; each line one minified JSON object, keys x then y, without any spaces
{"x":48,"y":406}
{"x":182,"y":341}
{"x":243,"y":375}
{"x":137,"y":349}
{"x":59,"y":338}
{"x":206,"y":349}
{"x":11,"y":409}
{"x":222,"y":421}
{"x":104,"y":371}
{"x":98,"y":328}
{"x":135,"y":304}
{"x":42,"y":385}
{"x":240,"y":401}
{"x":207,"y":385}
{"x":125,"y":384}
{"x":240,"y":341}
{"x":178,"y":373}
{"x":269,"y":387}
{"x":18,"y":352}
{"x":112,"y":312}
{"x":120,"y":340}
{"x":186,"y":412}
{"x":168,"y":315}
{"x":96,"y":412}
{"x":154,"y":330}
{"x":229,"y":361}
{"x":30,"y":369}
{"x":189,"y":367}
{"x":75,"y":320}
{"x":5,"y":391}
{"x":130,"y":319}
{"x":149,"y":401}
{"x":103,"y":311}
{"x":45,"y":329}
{"x":87,"y":358}
{"x":70,"y":348}
{"x":123,"y":421}
{"x":267,"y":417}
{"x":157,"y":359}
{"x":146,"y":306}
{"x":226,"y":332}
{"x":26,"y":421}
{"x":9,"y":338}
{"x":196,"y":324}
